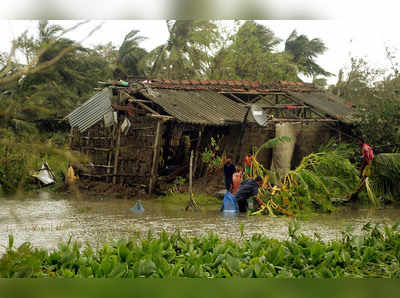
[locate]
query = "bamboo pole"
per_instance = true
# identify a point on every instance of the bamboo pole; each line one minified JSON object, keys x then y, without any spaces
{"x":155,"y":156}
{"x":196,"y":159}
{"x":191,"y":176}
{"x":110,"y":153}
{"x":117,"y":154}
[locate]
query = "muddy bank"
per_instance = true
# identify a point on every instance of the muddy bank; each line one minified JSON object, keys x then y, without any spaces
{"x":208,"y":185}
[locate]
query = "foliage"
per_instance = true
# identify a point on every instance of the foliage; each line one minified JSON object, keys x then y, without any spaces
{"x":257,"y":169}
{"x":375,"y":96}
{"x":18,"y":164}
{"x":358,"y":85}
{"x":370,"y":255}
{"x":210,"y":156}
{"x":383,"y":180}
{"x":304,"y":52}
{"x":379,"y":125}
{"x":312,"y":185}
{"x":177,"y":186}
{"x":186,"y":55}
{"x":250,"y":56}
{"x":130,"y":56}
{"x":319,"y":178}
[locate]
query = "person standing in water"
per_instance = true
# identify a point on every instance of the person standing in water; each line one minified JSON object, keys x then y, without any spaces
{"x":237,"y":179}
{"x":229,"y":169}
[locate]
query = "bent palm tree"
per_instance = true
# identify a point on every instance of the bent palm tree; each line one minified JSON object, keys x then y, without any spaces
{"x":304,"y":52}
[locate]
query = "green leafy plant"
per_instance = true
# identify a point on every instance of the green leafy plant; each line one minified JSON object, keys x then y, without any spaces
{"x":372,"y":254}
{"x":210,"y":156}
{"x":312,"y":185}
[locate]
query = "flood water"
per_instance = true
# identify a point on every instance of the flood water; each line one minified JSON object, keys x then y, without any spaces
{"x":46,"y":219}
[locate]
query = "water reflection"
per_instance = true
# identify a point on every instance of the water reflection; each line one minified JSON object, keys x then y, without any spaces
{"x":46,"y":219}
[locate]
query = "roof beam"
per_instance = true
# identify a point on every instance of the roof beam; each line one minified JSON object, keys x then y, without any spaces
{"x":284,"y":107}
{"x":252,"y":93}
{"x":302,"y":120}
{"x":236,"y":97}
{"x":140,"y":103}
{"x":312,"y":109}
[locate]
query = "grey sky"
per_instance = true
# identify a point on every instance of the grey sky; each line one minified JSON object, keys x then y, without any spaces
{"x":344,"y":38}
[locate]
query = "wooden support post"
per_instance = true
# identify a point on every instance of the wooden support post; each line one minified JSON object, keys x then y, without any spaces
{"x":191,"y":176}
{"x":110,"y":153}
{"x":116,"y":155}
{"x":276,"y":98}
{"x":156,"y":150}
{"x":196,"y":159}
{"x":191,"y":202}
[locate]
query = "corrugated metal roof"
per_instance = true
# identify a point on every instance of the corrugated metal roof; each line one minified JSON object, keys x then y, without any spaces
{"x":326,"y":104}
{"x":200,"y":107}
{"x":91,"y":111}
{"x":254,"y":87}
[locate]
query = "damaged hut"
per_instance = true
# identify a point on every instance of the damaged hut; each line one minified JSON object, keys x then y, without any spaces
{"x":136,"y":131}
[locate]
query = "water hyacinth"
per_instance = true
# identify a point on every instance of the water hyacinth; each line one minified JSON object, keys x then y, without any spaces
{"x":373,"y":254}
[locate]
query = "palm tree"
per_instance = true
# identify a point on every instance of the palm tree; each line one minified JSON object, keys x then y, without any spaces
{"x":304,"y":52}
{"x":48,"y":32}
{"x":130,"y":56}
{"x":187,"y":52}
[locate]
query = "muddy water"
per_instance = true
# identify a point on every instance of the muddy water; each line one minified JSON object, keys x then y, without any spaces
{"x":46,"y":219}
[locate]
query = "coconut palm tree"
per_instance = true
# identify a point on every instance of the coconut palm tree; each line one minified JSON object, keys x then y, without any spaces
{"x":304,"y":52}
{"x":130,"y":56}
{"x":186,"y":55}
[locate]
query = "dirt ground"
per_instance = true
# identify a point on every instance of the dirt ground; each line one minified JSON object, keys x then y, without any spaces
{"x":90,"y":188}
{"x":208,"y":184}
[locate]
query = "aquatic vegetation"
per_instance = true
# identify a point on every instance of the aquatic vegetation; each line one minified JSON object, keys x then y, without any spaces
{"x":375,"y":253}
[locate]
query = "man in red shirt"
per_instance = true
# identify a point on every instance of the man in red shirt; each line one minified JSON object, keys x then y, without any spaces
{"x":367,"y":153}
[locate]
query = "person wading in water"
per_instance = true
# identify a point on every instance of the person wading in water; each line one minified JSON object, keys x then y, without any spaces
{"x":248,"y":189}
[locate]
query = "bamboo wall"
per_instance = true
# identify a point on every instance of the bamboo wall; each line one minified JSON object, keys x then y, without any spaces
{"x":134,"y":153}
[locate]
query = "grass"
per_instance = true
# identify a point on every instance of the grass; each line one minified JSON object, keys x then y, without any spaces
{"x":374,"y":254}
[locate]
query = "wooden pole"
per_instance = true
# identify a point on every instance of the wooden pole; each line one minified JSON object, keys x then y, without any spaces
{"x":116,"y":155}
{"x":191,"y":199}
{"x":155,"y":156}
{"x":196,"y":159}
{"x":110,"y":153}
{"x":191,"y":176}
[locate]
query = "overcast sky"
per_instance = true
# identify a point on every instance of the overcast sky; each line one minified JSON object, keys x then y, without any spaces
{"x":344,"y":38}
